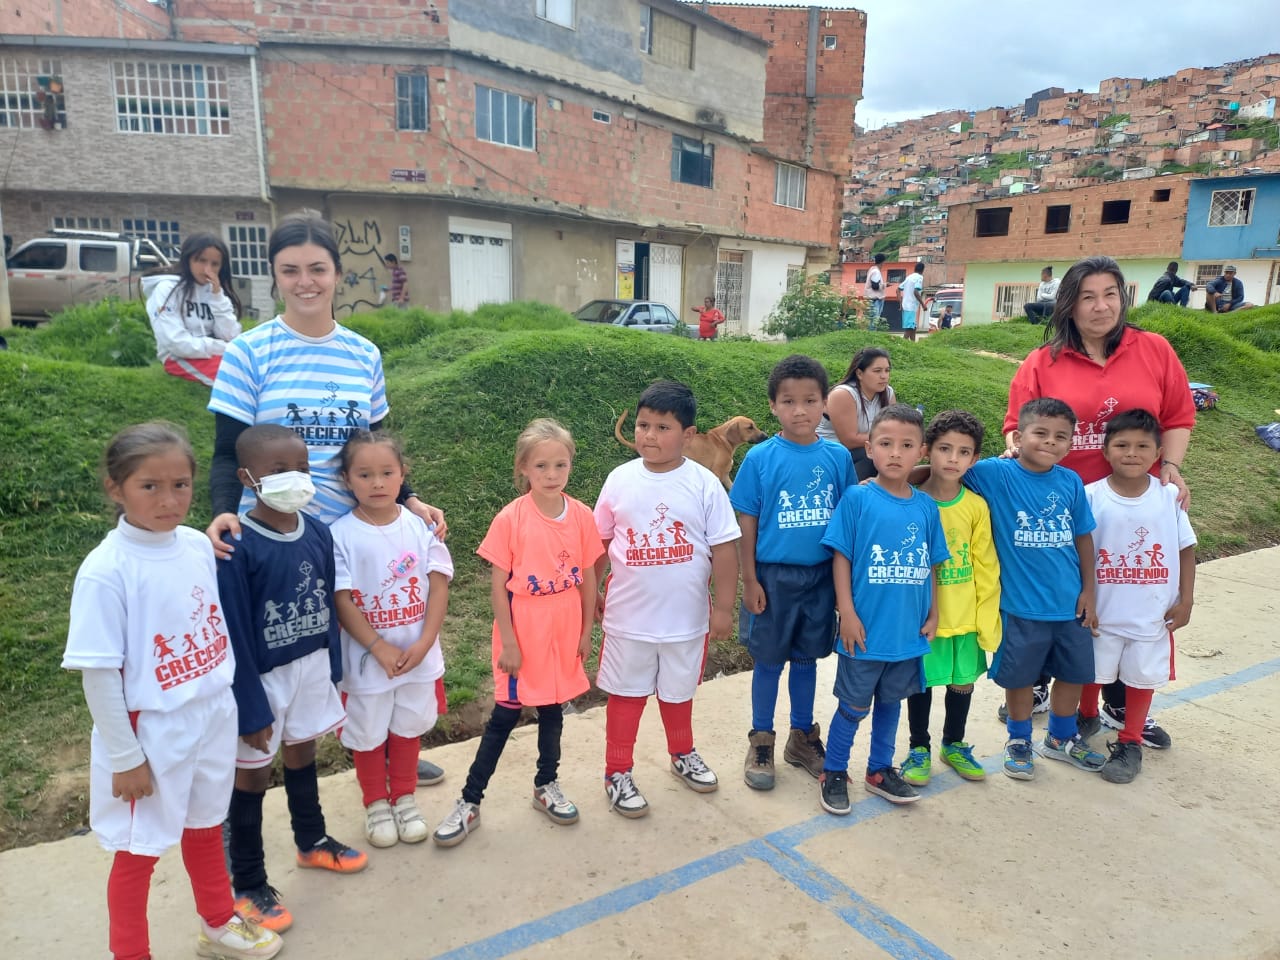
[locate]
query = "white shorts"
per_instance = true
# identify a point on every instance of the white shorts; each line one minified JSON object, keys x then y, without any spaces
{"x":408,"y":710}
{"x":192,"y":754}
{"x":1142,"y":664}
{"x":305,"y":704}
{"x":638,"y":668}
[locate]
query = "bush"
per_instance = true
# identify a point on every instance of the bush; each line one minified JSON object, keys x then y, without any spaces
{"x":109,"y":333}
{"x":810,"y":307}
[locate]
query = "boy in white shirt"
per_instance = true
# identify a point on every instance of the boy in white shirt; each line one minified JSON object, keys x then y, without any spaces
{"x":667,"y":528}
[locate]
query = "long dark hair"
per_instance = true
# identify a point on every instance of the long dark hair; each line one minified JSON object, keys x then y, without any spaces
{"x":1061,"y":331}
{"x":298,"y":228}
{"x":192,"y":247}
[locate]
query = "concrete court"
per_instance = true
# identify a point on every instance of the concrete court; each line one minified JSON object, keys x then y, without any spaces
{"x":1065,"y":866}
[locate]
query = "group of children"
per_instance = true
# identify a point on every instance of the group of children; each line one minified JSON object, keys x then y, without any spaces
{"x":196,"y":674}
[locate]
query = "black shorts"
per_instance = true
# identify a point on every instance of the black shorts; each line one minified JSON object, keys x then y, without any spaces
{"x":799,"y":619}
{"x":1030,"y":649}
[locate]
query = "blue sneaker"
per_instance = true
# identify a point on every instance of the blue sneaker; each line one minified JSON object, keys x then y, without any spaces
{"x":1019,"y":762}
{"x":1074,"y":751}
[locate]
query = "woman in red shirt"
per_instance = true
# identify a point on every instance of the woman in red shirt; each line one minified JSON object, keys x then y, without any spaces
{"x":709,"y":319}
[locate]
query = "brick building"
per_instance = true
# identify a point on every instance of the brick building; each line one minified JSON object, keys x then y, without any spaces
{"x":557,"y":150}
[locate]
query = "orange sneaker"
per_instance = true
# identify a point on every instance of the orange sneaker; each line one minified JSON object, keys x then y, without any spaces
{"x":331,"y":854}
{"x":262,"y":906}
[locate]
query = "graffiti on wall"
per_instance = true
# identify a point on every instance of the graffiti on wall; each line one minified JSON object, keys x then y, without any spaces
{"x":364,"y":281}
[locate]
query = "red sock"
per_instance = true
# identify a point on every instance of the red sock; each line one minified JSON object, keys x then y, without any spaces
{"x":402,"y":765}
{"x":1089,"y":694}
{"x":621,"y":724}
{"x":206,"y":865}
{"x":127,"y":890}
{"x":371,"y":773}
{"x":677,"y":718}
{"x":1137,"y":704}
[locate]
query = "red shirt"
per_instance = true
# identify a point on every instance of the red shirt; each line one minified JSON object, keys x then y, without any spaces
{"x":708,"y":319}
{"x":1143,"y":372}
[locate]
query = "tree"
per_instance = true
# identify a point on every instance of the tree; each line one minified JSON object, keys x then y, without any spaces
{"x":811,"y":306}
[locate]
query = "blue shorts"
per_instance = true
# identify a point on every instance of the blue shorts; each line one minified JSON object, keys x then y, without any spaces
{"x":908,"y":319}
{"x":858,"y":682}
{"x":799,"y":619}
{"x":1061,"y":649}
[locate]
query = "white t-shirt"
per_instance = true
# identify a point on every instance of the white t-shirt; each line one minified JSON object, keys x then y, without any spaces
{"x":870,"y":292}
{"x":386,"y":569}
{"x":1136,"y":544}
{"x":908,"y":289}
{"x":147,"y":604}
{"x":662,"y":527}
{"x":867,"y":410}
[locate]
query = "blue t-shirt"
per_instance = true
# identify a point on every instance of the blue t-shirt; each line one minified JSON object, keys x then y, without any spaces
{"x":792,"y":491}
{"x":277,"y":595}
{"x":1035,"y":518}
{"x":1232,"y":290}
{"x":893,"y":544}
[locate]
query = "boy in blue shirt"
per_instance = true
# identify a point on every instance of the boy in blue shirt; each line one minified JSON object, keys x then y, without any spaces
{"x":784,"y":493}
{"x":277,"y":596}
{"x":1043,"y":527}
{"x":888,"y":542}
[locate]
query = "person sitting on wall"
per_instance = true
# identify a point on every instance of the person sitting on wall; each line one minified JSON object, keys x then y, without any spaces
{"x":1171,"y":288}
{"x":1041,"y":308}
{"x":1226,"y":293}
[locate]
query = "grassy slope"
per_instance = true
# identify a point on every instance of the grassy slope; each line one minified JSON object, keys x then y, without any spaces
{"x":460,"y":394}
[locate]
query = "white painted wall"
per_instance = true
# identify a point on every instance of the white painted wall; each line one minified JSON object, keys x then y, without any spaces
{"x":765,"y":279}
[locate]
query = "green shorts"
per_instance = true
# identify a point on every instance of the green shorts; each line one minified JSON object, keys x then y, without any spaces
{"x":957,"y":660}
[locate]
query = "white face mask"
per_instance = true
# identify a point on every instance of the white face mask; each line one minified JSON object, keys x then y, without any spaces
{"x":286,"y":492}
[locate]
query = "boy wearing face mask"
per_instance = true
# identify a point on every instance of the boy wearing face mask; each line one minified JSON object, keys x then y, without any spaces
{"x":277,"y":594}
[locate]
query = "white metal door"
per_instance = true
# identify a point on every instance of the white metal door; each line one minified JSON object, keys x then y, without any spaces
{"x":666,"y":274}
{"x":479,"y":262}
{"x":730,"y":270}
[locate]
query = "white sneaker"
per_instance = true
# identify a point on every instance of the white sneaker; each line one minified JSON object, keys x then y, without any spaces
{"x":380,"y":824}
{"x":454,"y":828}
{"x":691,"y":768}
{"x":238,"y":940}
{"x":409,"y":823}
{"x":1040,"y":699}
{"x":550,"y":799}
{"x":624,"y":797}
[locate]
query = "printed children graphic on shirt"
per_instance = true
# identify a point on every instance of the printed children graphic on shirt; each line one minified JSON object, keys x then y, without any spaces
{"x":306,"y":615}
{"x":959,"y":568}
{"x":812,"y":508}
{"x":395,"y":605}
{"x":563,"y":579}
{"x":203,"y":649}
{"x":1049,"y":527}
{"x":1138,"y":563}
{"x":662,"y":543}
{"x":330,"y":423}
{"x":1089,"y":434}
{"x":908,"y":562}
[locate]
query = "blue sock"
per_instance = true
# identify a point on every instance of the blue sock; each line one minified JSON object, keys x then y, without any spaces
{"x":1018,"y":729}
{"x":884,"y":731}
{"x":802,"y":685}
{"x":1062,"y":728}
{"x":840,"y":737}
{"x":764,"y":695}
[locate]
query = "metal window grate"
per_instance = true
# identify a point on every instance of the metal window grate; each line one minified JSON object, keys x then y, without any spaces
{"x":730,"y":270}
{"x":1230,"y":208}
{"x":22,"y":92}
{"x":248,"y":245}
{"x":181,"y":99}
{"x":164,"y":233}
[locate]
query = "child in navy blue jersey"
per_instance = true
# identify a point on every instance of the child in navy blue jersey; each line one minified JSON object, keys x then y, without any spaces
{"x":785,"y":492}
{"x":277,"y":591}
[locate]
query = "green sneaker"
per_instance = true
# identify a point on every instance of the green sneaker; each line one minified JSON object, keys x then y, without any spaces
{"x":959,"y":757}
{"x":916,"y":768}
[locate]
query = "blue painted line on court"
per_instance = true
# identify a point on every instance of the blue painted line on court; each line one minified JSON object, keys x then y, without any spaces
{"x":777,"y":850}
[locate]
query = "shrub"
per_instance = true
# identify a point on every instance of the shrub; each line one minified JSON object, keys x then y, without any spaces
{"x":109,"y":333}
{"x":809,"y":307}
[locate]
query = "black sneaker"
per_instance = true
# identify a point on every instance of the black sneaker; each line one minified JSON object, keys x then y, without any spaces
{"x":1154,"y":736}
{"x":1088,"y":726}
{"x":888,"y":783}
{"x":1124,"y":764}
{"x":834,"y":796}
{"x":1113,"y":717}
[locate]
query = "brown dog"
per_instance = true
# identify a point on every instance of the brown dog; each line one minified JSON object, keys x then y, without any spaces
{"x":713,"y":449}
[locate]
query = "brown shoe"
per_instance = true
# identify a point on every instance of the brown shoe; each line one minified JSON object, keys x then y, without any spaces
{"x":804,"y":749}
{"x":758,"y":768}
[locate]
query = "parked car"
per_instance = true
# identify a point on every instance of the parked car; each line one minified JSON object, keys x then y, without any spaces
{"x":632,"y":314}
{"x":76,"y":266}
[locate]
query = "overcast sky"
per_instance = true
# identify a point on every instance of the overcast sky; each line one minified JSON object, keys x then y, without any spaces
{"x":927,"y":55}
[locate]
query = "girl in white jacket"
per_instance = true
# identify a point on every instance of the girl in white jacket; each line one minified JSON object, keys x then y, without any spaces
{"x":194,"y":311}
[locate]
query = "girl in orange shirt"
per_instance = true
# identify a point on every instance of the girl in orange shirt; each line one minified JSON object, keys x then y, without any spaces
{"x":543,"y":547}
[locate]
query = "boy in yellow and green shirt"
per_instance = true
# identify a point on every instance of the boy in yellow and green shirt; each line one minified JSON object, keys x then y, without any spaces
{"x":968,"y":599}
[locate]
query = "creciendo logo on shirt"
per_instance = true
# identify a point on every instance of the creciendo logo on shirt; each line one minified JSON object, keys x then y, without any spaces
{"x":1050,"y":527}
{"x":306,"y":615}
{"x":809,"y":508}
{"x":1133,"y":564}
{"x":906,"y":563}
{"x":959,"y":567}
{"x":403,"y":604}
{"x":1090,"y":434}
{"x":203,"y":647}
{"x":664,"y":542}
{"x":330,"y":423}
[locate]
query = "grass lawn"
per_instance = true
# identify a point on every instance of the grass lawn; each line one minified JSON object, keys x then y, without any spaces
{"x":461,"y":388}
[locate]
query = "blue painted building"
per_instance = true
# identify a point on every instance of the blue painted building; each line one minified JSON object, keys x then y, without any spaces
{"x":1235,"y":220}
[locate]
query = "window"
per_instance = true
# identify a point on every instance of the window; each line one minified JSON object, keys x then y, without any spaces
{"x":992,"y":222}
{"x":25,"y":86}
{"x":601,"y":116}
{"x":1161,"y":196}
{"x":248,"y":245}
{"x":860,"y":276}
{"x":557,"y":11}
{"x":1057,"y":219}
{"x":829,"y":41}
{"x":666,"y":38}
{"x":40,"y":256}
{"x":1206,"y":272}
{"x":895,"y":276}
{"x":692,"y":161}
{"x":184,"y":99}
{"x":1230,"y":208}
{"x":1115,"y":211}
{"x":411,"y":101}
{"x":503,"y":117}
{"x":82,"y":223}
{"x":164,"y":233}
{"x":97,"y":259}
{"x":788,"y":186}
